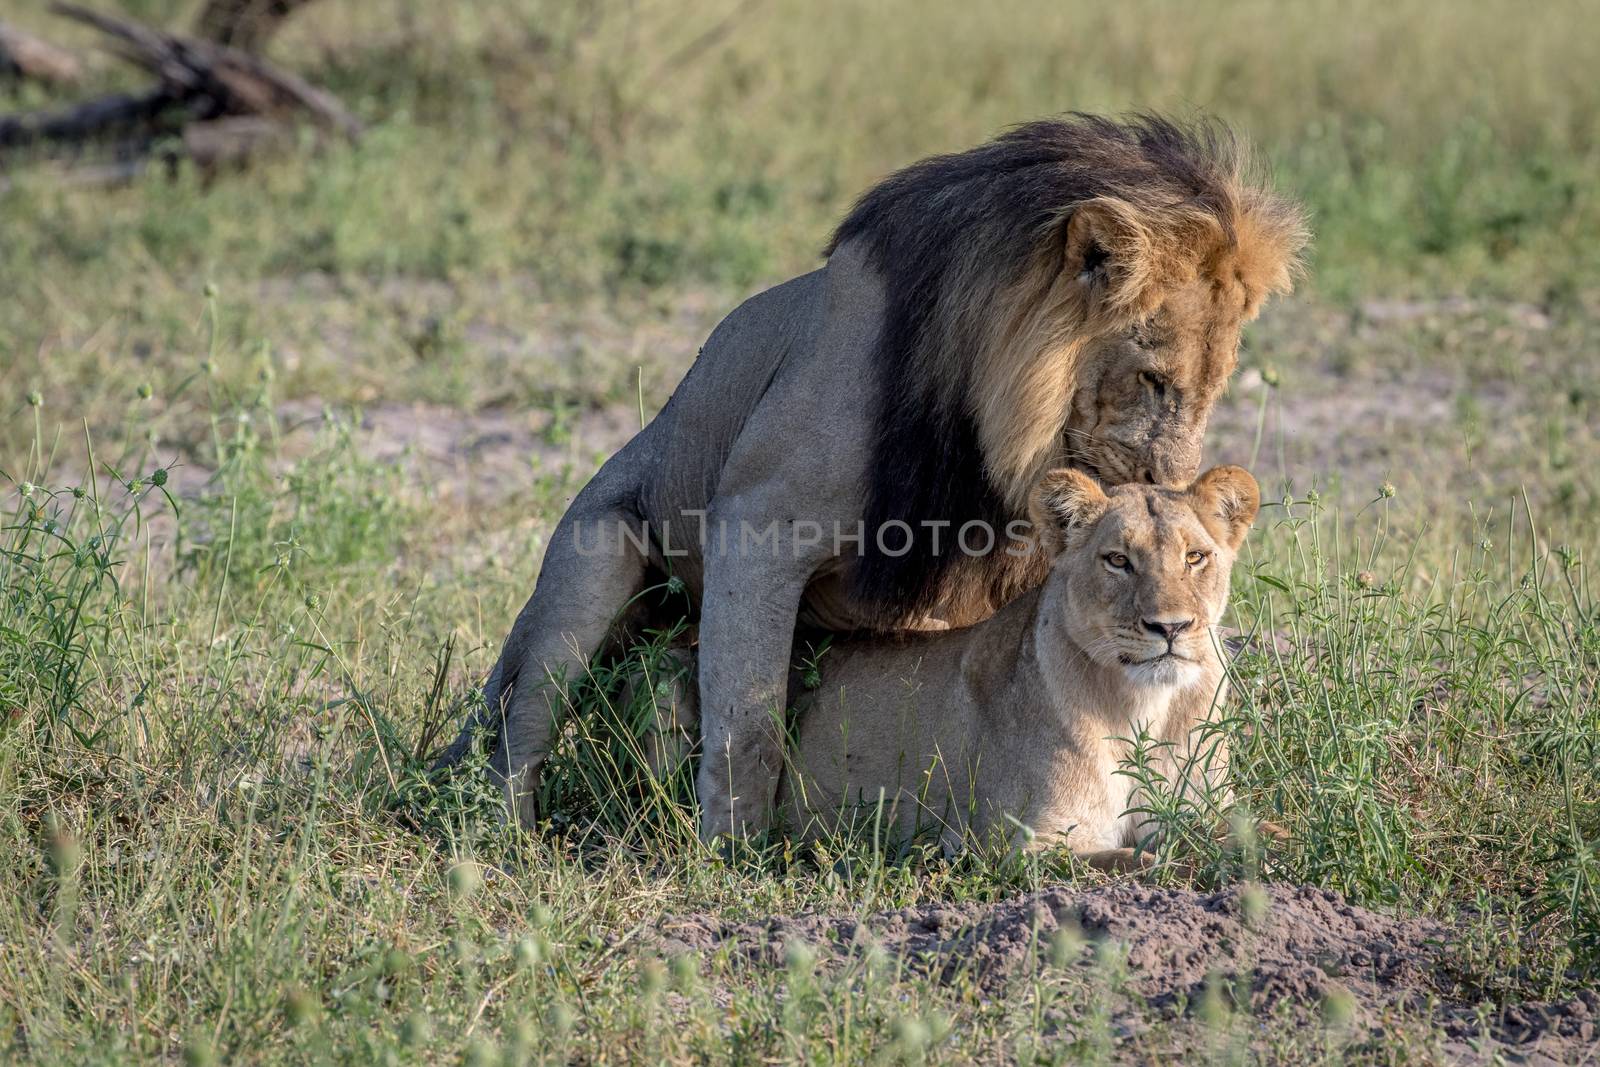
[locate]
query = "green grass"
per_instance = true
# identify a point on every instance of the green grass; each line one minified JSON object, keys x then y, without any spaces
{"x":231,"y":632}
{"x":221,"y":838}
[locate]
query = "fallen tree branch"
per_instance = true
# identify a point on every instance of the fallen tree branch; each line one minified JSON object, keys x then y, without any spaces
{"x":232,"y":141}
{"x":237,"y":82}
{"x":23,"y":55}
{"x":96,"y":118}
{"x":212,"y":104}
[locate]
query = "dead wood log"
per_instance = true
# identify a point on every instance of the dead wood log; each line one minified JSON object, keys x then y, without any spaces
{"x":235,"y":82}
{"x":23,"y":55}
{"x":233,"y":141}
{"x":212,"y":147}
{"x":213,"y":104}
{"x":118,"y":113}
{"x":244,"y":24}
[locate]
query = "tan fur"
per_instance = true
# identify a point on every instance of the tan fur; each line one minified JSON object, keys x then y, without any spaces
{"x":1024,"y":720}
{"x":1026,"y":371}
{"x":1077,"y":328}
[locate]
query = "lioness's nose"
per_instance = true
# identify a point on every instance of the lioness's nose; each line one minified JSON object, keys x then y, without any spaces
{"x":1168,"y":629}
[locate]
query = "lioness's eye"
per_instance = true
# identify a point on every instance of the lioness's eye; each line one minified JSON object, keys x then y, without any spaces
{"x":1194,"y":559}
{"x":1155,"y":384}
{"x":1117,"y":560}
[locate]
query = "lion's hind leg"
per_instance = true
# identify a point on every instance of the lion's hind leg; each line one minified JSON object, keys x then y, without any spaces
{"x":597,"y":562}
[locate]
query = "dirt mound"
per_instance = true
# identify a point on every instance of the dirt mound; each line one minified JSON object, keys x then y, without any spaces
{"x":1279,"y":948}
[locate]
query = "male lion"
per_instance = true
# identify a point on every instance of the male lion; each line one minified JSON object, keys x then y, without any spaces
{"x":1025,"y":719}
{"x":1071,"y":292}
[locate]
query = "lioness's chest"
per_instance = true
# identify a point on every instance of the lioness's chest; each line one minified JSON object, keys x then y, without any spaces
{"x":1083,"y":789}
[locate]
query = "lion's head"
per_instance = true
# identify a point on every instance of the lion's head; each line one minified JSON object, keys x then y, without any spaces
{"x":1141,"y":572}
{"x":1144,"y":384}
{"x":1069,"y":293}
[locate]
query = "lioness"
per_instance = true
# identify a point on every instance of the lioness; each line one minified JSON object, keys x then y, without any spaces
{"x":1024,"y":720}
{"x":1070,"y":293}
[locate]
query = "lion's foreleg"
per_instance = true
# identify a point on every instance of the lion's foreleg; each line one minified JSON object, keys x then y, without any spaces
{"x":746,"y":634}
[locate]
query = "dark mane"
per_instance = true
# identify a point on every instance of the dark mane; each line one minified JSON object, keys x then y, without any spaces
{"x":949,"y":232}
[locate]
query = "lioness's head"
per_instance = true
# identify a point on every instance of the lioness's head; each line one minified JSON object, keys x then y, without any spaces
{"x":1141,"y":574}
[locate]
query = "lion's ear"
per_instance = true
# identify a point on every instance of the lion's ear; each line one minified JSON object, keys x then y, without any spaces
{"x":1066,"y":500}
{"x":1230,"y":497}
{"x":1110,"y":253}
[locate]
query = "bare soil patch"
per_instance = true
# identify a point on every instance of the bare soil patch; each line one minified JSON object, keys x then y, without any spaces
{"x":1370,"y":395}
{"x":1305,"y":947}
{"x":455,"y":453}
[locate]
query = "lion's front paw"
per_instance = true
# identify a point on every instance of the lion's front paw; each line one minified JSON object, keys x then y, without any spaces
{"x":722,"y":820}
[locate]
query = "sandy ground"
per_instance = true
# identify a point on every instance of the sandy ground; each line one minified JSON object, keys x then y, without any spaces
{"x":477,"y":455}
{"x":1299,"y":948}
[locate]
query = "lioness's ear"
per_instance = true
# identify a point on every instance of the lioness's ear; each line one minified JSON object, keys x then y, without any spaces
{"x":1110,"y":253}
{"x":1230,"y":496}
{"x":1065,"y":500}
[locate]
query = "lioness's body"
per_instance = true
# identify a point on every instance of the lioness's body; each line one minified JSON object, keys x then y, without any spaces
{"x":1026,"y":719}
{"x":971,"y":735}
{"x":1071,"y":292}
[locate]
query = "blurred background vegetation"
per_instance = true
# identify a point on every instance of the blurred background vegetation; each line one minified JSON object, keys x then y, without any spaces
{"x":588,"y":147}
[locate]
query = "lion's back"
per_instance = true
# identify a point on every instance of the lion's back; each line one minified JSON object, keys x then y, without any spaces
{"x":693,"y":435}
